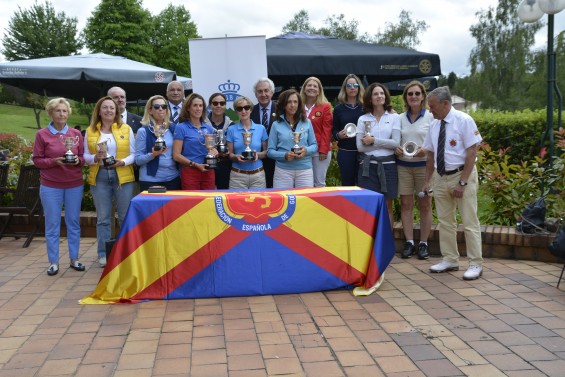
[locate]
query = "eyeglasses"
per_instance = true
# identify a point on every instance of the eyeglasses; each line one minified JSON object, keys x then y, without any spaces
{"x":410,"y":94}
{"x":219,"y":103}
{"x":162,"y":107}
{"x":241,"y":108}
{"x":349,"y":86}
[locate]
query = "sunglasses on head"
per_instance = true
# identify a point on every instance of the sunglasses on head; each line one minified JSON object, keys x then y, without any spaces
{"x":352,"y":86}
{"x":219,"y":103}
{"x":241,"y":108}
{"x":157,"y":106}
{"x":410,"y":94}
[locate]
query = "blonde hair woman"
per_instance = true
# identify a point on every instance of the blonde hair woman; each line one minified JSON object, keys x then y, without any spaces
{"x":109,"y":179}
{"x":319,"y":111}
{"x":156,"y":164}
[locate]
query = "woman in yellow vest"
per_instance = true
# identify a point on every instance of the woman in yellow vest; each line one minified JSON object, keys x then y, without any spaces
{"x":109,"y":149}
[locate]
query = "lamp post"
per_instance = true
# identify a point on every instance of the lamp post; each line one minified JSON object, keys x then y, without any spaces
{"x":532,"y":11}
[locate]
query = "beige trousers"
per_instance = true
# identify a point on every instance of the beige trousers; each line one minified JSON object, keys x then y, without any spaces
{"x":446,"y":206}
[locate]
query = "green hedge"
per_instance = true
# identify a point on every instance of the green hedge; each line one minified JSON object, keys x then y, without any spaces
{"x":517,"y":133}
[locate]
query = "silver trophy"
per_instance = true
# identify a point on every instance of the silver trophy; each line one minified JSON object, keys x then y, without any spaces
{"x":350,"y":129}
{"x":69,"y":142}
{"x":368,"y":124}
{"x":247,"y":154}
{"x":221,"y":147}
{"x":296,"y":136}
{"x":409,"y":149}
{"x":160,"y":130}
{"x":109,"y":159}
{"x":210,"y":143}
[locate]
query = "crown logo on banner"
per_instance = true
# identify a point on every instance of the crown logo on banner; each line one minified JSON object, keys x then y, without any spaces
{"x":229,"y":89}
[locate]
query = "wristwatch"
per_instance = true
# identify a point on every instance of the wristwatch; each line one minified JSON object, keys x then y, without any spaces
{"x":461,"y":183}
{"x":191,"y":164}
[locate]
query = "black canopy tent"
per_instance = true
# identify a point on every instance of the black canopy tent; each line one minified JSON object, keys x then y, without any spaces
{"x":86,"y":77}
{"x":293,"y":57}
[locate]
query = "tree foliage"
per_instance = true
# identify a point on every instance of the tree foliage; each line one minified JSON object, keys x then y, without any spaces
{"x":299,"y":23}
{"x":120,"y":27}
{"x":405,"y":34}
{"x":501,"y":59}
{"x":172,"y":28}
{"x":338,"y":27}
{"x":40,"y":32}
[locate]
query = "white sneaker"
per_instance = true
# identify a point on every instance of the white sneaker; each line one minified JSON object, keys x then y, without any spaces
{"x":444,"y":266}
{"x":473,"y":272}
{"x":102,"y":261}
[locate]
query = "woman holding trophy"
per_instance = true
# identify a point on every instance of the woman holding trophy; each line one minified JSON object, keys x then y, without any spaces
{"x":345,"y":117}
{"x":291,"y":140}
{"x":411,"y":162}
{"x":220,"y":121}
{"x":319,"y":111}
{"x":109,"y":149}
{"x":194,"y":146}
{"x":378,"y":135}
{"x":58,"y":153}
{"x":153,"y":147}
{"x":247,"y":145}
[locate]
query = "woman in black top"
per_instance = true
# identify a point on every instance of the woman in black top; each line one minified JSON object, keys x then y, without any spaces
{"x":348,"y":111}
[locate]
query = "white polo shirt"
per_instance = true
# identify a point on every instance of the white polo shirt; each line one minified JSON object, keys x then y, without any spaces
{"x":461,"y":132}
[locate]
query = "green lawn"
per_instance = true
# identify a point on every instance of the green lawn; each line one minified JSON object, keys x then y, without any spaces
{"x":21,"y":121}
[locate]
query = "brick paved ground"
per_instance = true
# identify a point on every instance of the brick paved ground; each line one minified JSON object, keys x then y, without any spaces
{"x":509,"y":323}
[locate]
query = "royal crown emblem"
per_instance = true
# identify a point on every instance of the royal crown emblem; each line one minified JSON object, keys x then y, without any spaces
{"x":230,"y":90}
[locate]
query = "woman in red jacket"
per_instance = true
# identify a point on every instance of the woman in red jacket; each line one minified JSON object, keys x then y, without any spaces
{"x":319,"y":111}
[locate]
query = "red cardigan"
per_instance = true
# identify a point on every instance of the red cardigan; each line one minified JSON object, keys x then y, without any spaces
{"x":322,"y":122}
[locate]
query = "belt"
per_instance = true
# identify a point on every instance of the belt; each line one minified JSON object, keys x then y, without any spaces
{"x":450,"y":172}
{"x":247,"y":171}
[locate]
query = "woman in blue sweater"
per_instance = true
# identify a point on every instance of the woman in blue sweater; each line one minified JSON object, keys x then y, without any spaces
{"x":292,"y":170}
{"x":156,"y":164}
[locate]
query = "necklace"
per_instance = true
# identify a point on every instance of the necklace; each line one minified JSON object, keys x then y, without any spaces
{"x":352,"y":107}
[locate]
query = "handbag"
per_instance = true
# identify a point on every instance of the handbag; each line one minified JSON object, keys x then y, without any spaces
{"x":532,"y":219}
{"x":557,"y":247}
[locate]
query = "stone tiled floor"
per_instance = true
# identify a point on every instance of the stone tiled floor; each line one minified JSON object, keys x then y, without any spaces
{"x":509,"y":323}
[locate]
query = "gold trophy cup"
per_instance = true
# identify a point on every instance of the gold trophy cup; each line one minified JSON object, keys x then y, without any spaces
{"x":109,"y":159}
{"x":247,"y":154}
{"x":69,"y":142}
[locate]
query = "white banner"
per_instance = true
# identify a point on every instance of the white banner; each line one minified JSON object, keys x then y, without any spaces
{"x":227,"y":65}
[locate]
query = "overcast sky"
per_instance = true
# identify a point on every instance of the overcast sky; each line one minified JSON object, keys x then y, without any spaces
{"x":448,"y":34}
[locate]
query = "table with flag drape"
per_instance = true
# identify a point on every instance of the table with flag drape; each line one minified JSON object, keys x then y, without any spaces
{"x":193,"y":244}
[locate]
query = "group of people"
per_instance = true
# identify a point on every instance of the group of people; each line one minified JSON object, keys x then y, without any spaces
{"x":274,"y":144}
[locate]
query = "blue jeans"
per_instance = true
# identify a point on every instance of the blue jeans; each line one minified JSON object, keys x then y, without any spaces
{"x":52,"y":200}
{"x":108,"y":189}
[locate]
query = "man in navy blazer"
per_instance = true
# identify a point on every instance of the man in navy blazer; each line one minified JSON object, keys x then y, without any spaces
{"x":264,"y":113}
{"x":175,"y":95}
{"x":119,"y":95}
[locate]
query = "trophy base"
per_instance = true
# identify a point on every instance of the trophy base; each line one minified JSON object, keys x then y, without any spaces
{"x":108,"y":161}
{"x":211,"y":162}
{"x":296,"y":150}
{"x":159,"y":146}
{"x":248,"y":155}
{"x":69,"y":159}
{"x":222,"y":148}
